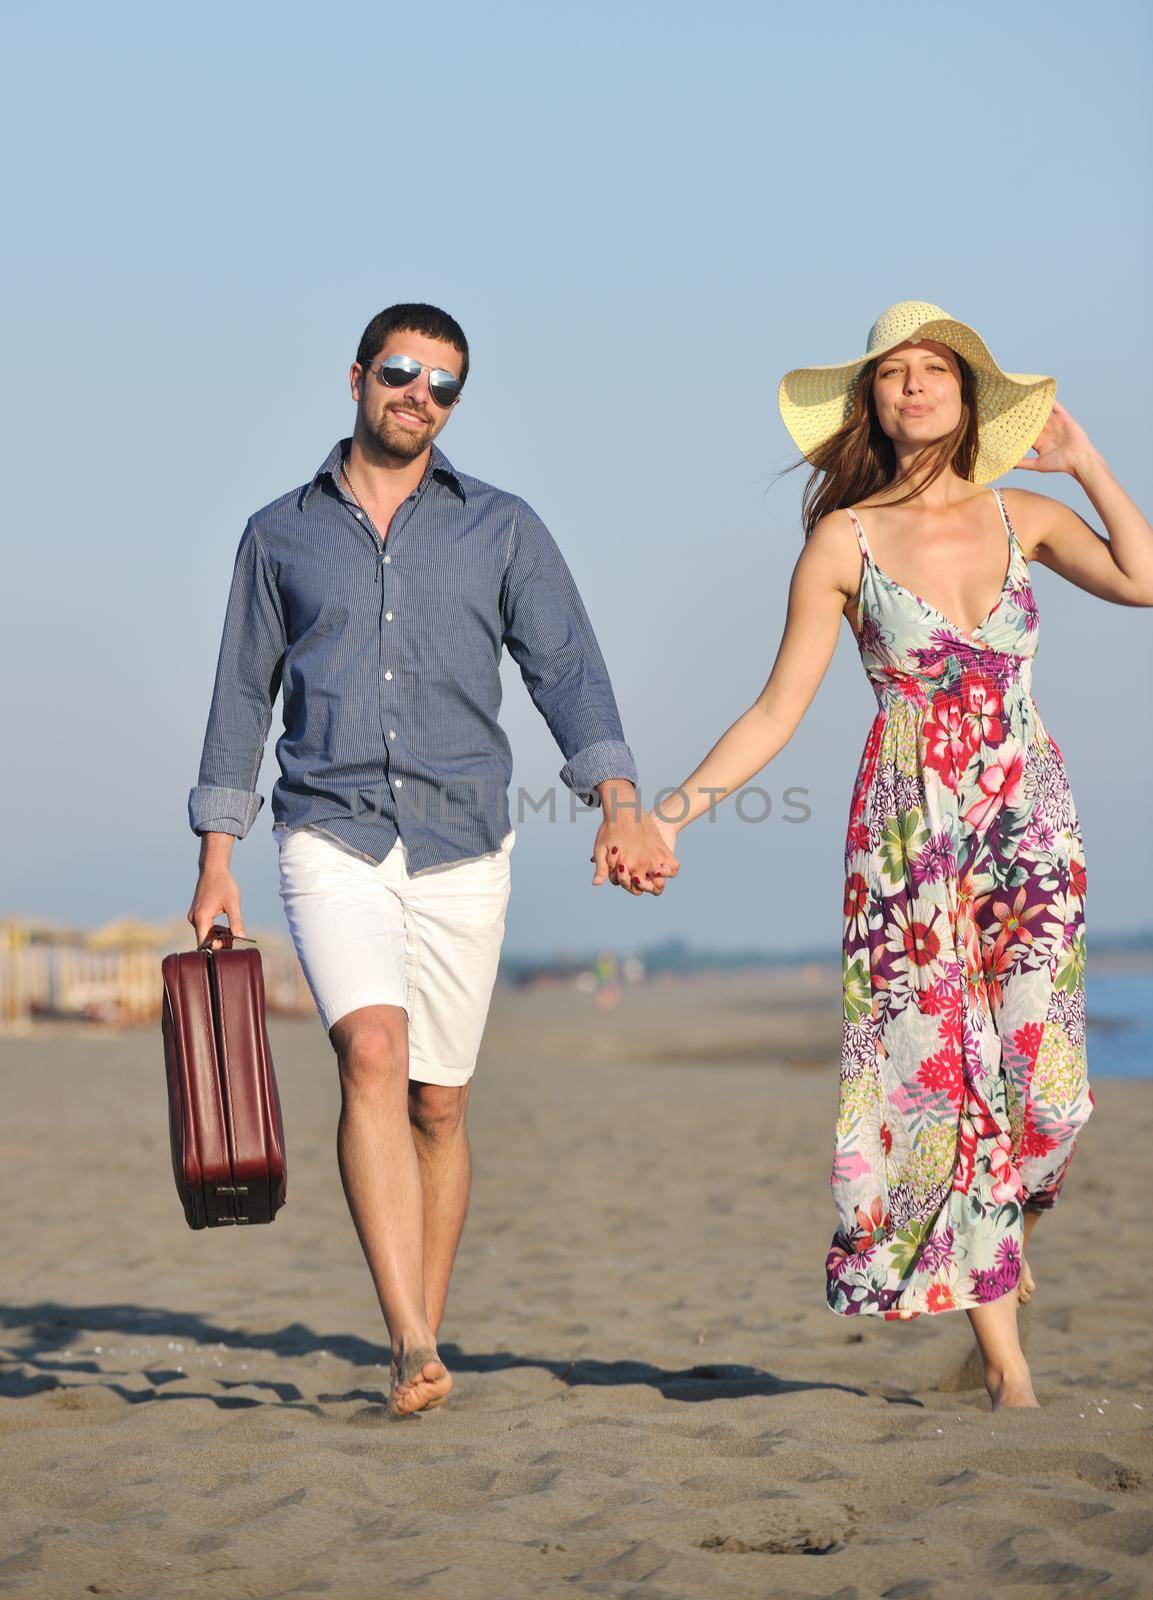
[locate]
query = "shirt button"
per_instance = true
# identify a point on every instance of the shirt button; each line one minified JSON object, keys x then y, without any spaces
{"x":387,"y":559}
{"x":392,"y":733}
{"x":360,"y":516}
{"x":388,"y":616}
{"x":388,"y":675}
{"x":400,"y":783}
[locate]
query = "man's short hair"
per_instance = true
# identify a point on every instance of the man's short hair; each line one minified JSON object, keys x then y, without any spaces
{"x":412,"y":318}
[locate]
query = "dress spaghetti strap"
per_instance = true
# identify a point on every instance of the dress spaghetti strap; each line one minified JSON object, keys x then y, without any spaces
{"x":861,"y":540}
{"x":1005,"y":516}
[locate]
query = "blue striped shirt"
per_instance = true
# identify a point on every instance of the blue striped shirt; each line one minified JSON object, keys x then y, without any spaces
{"x":388,"y":657}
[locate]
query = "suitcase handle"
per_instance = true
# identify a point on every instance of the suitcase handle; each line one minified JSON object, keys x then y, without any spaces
{"x":225,"y":935}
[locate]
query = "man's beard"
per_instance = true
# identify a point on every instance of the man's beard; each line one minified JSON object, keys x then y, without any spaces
{"x":394,"y":440}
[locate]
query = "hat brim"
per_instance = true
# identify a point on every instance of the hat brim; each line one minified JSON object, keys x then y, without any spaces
{"x":1012,"y":407}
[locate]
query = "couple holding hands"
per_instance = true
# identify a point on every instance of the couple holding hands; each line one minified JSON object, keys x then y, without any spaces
{"x":378,"y":598}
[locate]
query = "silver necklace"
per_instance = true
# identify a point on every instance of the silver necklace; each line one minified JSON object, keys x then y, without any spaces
{"x":356,"y":497}
{"x":348,"y":480}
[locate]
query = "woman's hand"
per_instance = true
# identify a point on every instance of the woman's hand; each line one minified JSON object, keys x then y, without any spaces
{"x":667,"y":831}
{"x":1061,"y":446}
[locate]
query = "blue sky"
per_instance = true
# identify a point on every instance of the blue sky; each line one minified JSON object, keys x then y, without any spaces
{"x":642,"y":214}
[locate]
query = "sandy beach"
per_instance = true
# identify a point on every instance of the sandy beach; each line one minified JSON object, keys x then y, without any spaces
{"x":652,"y":1398}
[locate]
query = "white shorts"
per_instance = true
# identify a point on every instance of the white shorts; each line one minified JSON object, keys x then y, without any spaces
{"x":370,"y":935}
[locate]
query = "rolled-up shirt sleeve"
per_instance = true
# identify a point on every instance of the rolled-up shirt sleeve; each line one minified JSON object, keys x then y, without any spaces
{"x":248,"y":673}
{"x":549,"y":636}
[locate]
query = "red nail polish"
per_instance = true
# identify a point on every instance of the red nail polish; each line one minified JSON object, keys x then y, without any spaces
{"x":613,"y":849}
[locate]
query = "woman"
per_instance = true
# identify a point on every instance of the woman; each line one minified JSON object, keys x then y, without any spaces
{"x":963,"y":1077}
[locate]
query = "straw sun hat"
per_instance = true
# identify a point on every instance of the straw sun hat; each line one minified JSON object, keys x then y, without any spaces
{"x":1012,"y":407}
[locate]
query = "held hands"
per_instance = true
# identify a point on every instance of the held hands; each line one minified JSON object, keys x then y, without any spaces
{"x":635,"y":853}
{"x":1061,"y":446}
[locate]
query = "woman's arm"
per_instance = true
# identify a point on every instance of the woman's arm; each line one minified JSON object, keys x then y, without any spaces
{"x":826,"y":575}
{"x":1119,"y":568}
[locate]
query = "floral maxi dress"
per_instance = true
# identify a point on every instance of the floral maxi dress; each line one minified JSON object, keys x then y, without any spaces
{"x":963,"y":1075}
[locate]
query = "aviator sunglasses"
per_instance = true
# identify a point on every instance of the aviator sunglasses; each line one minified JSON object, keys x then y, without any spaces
{"x":397,"y":372}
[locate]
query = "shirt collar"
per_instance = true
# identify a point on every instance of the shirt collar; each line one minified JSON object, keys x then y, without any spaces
{"x":439,"y":467}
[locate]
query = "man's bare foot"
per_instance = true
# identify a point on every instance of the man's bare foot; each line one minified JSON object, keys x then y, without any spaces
{"x":1010,"y":1389}
{"x":420,"y":1381}
{"x":1025,"y":1284}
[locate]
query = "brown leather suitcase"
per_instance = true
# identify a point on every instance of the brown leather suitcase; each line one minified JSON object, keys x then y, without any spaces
{"x":223,"y":1106}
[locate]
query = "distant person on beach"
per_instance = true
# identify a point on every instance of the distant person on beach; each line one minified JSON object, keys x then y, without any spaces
{"x":963,"y":1079}
{"x":379,"y":597}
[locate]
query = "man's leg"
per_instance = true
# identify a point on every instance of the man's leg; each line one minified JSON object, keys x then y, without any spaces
{"x":382,"y":1181}
{"x":437,"y":1115}
{"x":454,"y":924}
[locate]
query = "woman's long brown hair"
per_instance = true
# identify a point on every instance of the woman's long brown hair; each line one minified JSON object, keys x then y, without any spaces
{"x":859,"y":459}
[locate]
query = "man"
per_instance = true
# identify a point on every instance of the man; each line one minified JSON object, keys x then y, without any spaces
{"x":378,"y":596}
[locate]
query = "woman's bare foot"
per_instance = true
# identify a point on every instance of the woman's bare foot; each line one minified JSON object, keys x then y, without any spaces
{"x":1025,"y":1284}
{"x":420,"y":1381}
{"x":1010,"y":1388}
